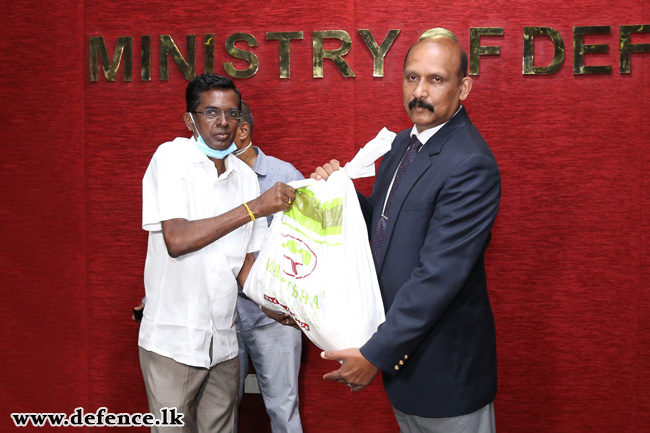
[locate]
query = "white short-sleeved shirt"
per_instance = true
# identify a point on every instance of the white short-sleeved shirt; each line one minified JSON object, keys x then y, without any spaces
{"x":191,"y":300}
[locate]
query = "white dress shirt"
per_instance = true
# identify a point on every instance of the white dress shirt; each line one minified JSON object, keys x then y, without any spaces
{"x":191,"y":300}
{"x":423,"y":136}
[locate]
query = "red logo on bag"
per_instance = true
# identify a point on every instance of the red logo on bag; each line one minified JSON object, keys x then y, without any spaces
{"x":299,"y":260}
{"x":300,"y":323}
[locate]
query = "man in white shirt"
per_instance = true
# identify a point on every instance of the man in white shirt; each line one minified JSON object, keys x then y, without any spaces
{"x":201,"y":207}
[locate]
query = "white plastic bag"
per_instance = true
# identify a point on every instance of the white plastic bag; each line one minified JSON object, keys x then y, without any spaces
{"x":316,"y":265}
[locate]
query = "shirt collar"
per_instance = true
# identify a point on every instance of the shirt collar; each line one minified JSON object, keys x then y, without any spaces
{"x":426,"y":135}
{"x":198,"y":157}
{"x":230,"y":166}
{"x":261,"y":166}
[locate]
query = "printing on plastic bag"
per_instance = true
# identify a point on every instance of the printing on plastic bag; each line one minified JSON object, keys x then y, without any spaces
{"x":316,"y":264}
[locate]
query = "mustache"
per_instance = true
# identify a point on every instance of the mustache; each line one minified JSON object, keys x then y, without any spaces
{"x":420,"y":103}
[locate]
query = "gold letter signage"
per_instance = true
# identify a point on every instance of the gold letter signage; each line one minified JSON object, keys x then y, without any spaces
{"x":240,"y":46}
{"x":253,"y":62}
{"x":97,"y":49}
{"x":529,"y":51}
{"x":285,"y":52}
{"x":476,"y":49}
{"x":168,"y":47}
{"x":627,"y":48}
{"x":378,"y":52}
{"x":580,"y":49}
{"x":334,"y":55}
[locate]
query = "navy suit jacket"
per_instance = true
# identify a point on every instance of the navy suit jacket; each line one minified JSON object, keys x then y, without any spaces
{"x":437,"y":347}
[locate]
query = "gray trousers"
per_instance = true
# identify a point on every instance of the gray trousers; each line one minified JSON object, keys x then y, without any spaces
{"x":206,"y":396}
{"x":275,"y":353}
{"x":481,"y":421}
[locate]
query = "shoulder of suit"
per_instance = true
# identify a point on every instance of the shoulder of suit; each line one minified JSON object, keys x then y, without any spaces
{"x":401,"y":136}
{"x":403,"y":133}
{"x":467,"y":140}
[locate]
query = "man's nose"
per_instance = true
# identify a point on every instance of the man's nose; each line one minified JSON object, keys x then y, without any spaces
{"x":222,"y":120}
{"x":420,"y":91}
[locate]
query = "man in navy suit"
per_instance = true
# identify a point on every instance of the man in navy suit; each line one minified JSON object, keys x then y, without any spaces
{"x":430,"y":215}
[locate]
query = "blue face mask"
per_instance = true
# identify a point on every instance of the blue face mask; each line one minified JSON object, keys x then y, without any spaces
{"x":203,"y":147}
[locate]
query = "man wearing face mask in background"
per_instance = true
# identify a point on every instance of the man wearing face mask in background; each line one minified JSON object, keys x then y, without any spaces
{"x":274,"y":348}
{"x":201,"y":206}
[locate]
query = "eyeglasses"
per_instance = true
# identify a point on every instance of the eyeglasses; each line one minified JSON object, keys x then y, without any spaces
{"x":215,"y":113}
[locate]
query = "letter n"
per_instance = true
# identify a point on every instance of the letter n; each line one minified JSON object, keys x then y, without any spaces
{"x":169,"y":48}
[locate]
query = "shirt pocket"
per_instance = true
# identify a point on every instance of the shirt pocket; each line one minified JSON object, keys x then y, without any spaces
{"x":235,"y":246}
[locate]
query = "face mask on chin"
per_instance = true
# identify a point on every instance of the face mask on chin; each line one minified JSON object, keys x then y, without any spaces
{"x":240,"y":151}
{"x":208,"y":151}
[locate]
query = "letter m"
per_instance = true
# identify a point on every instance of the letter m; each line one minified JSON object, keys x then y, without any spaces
{"x":98,"y":51}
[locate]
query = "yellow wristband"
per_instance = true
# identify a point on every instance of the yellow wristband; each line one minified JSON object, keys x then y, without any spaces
{"x":249,"y":212}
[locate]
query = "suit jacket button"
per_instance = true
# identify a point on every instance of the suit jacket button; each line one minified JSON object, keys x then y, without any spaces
{"x":397,"y":367}
{"x":401,"y":363}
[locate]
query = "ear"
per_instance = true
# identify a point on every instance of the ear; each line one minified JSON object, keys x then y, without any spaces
{"x":465,"y":88}
{"x":187,"y":118}
{"x":244,"y":131}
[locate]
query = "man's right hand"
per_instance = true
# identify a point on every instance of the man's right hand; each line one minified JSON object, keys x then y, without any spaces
{"x":278,"y":198}
{"x":326,"y":170}
{"x":184,"y":236}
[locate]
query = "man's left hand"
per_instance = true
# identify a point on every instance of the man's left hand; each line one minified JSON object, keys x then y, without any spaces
{"x":356,"y":371}
{"x":281,"y":318}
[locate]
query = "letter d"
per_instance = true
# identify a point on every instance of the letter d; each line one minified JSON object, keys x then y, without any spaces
{"x":77,"y":417}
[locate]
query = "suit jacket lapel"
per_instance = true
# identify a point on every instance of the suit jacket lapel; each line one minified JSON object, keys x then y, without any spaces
{"x":416,"y":170}
{"x":382,"y":183}
{"x":396,"y":154}
{"x":418,"y":167}
{"x":435,"y":143}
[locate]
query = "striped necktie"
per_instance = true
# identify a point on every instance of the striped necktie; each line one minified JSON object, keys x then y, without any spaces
{"x":378,"y":237}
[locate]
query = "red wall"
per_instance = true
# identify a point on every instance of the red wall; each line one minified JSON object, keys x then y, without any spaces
{"x":568,"y":263}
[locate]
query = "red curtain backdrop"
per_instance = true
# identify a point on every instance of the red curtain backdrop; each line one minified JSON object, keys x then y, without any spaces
{"x":567,"y":268}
